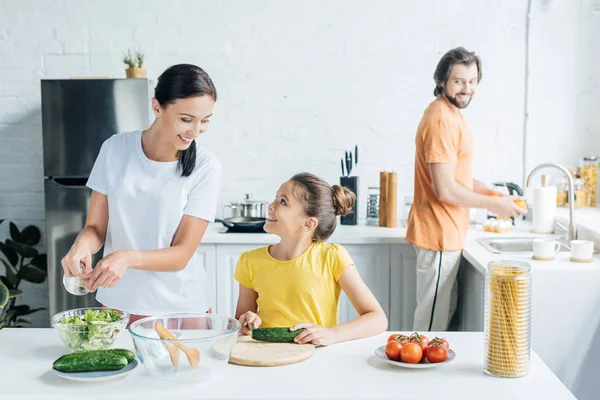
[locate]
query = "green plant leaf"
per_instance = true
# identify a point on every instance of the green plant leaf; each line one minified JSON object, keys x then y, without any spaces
{"x":12,"y":293}
{"x":31,"y":235}
{"x":9,"y":316}
{"x":4,"y":280}
{"x":23,"y":321}
{"x":15,"y":234}
{"x":10,"y":254}
{"x":22,"y":249}
{"x":3,"y":295}
{"x":40,"y":261}
{"x":1,"y":221}
{"x":25,"y":310}
{"x":11,"y":277}
{"x":32,"y":274}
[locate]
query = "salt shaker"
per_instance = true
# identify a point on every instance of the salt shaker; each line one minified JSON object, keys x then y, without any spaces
{"x":373,"y":206}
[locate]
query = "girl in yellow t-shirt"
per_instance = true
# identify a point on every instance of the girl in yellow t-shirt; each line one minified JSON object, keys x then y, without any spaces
{"x":297,"y":282}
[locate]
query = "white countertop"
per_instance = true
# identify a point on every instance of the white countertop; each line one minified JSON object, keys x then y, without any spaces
{"x":588,"y":219}
{"x":344,"y":234}
{"x":345,"y":371}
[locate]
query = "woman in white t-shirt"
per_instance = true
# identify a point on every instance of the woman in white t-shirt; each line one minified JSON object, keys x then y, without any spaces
{"x":153,"y":194}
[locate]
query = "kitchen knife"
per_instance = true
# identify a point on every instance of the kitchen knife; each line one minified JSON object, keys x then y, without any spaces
{"x":342,"y":160}
{"x":355,"y":154}
{"x":349,"y":163}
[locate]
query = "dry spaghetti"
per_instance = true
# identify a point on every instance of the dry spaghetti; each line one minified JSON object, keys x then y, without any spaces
{"x":507,"y":319}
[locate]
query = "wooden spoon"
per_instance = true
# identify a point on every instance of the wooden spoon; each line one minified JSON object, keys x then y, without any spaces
{"x":173,"y":353}
{"x":192,"y":354}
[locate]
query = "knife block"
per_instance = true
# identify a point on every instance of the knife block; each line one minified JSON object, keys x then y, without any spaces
{"x":351,"y":182}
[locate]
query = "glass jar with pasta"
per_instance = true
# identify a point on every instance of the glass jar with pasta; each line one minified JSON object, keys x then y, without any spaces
{"x":590,"y":176}
{"x":507,"y":323}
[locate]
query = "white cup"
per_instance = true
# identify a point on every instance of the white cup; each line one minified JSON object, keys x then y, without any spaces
{"x":582,"y":249}
{"x":544,"y":248}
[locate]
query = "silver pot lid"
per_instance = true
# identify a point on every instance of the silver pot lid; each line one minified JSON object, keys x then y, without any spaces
{"x":248,"y":200}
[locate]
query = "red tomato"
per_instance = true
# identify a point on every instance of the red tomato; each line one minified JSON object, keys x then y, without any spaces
{"x":411,"y":353}
{"x":393,"y":349}
{"x":436,"y":353}
{"x":421,"y":340}
{"x":439,"y":341}
{"x":399,"y":338}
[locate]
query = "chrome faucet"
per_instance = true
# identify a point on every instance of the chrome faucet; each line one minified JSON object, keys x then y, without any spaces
{"x":571,"y":230}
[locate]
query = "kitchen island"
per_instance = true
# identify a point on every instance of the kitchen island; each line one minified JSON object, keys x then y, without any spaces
{"x":347,"y":370}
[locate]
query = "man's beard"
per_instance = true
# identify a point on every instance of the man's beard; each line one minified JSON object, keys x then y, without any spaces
{"x":455,"y":101}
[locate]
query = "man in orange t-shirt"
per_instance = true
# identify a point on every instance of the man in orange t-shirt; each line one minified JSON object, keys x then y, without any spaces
{"x":445,"y":190}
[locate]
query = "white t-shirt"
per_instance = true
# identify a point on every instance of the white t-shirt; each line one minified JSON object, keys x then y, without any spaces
{"x":146,"y":202}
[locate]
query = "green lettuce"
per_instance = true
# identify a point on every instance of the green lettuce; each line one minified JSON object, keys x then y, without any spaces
{"x":89,"y":331}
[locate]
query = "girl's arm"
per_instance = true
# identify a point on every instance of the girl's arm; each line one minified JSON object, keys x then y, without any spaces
{"x":372,"y":319}
{"x":246,"y":309}
{"x":111,"y":268}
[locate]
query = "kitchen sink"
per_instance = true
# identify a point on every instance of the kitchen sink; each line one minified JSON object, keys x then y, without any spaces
{"x":514,"y":244}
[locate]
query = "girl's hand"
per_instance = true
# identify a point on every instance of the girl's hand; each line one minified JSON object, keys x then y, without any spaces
{"x":78,"y":254}
{"x":314,"y":334}
{"x":109,"y":270}
{"x":247,"y":320}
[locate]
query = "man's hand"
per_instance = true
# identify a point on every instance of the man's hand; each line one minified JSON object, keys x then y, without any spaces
{"x":505,"y":207}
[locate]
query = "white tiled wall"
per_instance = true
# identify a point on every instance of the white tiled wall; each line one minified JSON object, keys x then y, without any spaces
{"x":298,"y":82}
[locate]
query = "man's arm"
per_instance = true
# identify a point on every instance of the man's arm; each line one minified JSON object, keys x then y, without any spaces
{"x":447,"y":190}
{"x":482,"y":188}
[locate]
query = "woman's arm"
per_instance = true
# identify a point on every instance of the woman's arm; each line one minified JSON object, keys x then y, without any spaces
{"x":90,"y":239}
{"x":188,"y":236}
{"x":111,"y":268}
{"x":371,"y":320}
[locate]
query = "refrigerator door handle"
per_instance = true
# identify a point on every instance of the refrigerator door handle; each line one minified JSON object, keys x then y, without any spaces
{"x":76,"y":182}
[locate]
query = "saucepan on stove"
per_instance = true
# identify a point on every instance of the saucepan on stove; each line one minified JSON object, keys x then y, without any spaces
{"x":248,"y":207}
{"x":244,"y":224}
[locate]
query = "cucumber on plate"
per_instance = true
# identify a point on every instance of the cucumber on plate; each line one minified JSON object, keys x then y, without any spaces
{"x":94,"y":360}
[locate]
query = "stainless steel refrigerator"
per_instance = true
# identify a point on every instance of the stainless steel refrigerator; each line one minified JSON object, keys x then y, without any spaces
{"x":77,"y":116}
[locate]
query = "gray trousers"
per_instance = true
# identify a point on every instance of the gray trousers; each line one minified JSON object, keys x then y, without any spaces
{"x":437,"y":291}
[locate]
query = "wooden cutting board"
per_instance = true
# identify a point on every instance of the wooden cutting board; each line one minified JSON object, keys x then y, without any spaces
{"x":253,"y":353}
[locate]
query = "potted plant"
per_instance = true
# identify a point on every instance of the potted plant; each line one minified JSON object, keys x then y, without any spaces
{"x":21,"y":262}
{"x":135,"y":65}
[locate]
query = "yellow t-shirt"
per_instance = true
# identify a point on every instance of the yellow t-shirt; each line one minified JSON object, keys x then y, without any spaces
{"x":304,"y":289}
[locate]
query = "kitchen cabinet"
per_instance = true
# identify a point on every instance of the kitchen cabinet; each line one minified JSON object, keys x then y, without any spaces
{"x":373,"y":264}
{"x":227,"y":287}
{"x":389,"y":270}
{"x":471,"y":290}
{"x":403,"y":287}
{"x":207,"y":254}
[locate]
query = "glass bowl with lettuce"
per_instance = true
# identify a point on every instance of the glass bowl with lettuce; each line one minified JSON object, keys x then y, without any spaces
{"x":91,"y":328}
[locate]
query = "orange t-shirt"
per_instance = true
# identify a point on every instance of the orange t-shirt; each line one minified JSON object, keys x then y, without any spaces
{"x":442,"y":137}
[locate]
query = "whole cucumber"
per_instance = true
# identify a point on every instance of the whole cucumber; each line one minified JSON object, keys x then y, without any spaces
{"x":128,"y":354}
{"x":87,"y":362}
{"x":281,"y":335}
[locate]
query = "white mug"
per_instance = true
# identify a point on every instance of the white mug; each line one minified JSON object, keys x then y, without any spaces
{"x":544,"y":248}
{"x":582,"y":249}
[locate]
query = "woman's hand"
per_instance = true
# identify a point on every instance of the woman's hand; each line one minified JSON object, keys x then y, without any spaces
{"x":109,"y":270}
{"x":247,"y":320}
{"x":314,"y":334}
{"x":78,"y":254}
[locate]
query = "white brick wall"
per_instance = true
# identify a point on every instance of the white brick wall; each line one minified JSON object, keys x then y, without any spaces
{"x":298,"y":83}
{"x":564,"y":82}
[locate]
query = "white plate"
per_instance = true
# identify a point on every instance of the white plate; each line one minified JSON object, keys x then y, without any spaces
{"x":97,"y":376}
{"x":380,"y":353}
